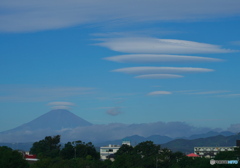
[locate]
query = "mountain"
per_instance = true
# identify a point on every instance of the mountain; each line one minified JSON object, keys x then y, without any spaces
{"x":210,"y":134}
{"x":53,"y":120}
{"x":71,"y":128}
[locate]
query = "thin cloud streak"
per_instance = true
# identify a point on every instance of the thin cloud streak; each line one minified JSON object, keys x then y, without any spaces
{"x":61,"y":107}
{"x":159,"y":93}
{"x":161,"y":70}
{"x":210,"y":92}
{"x":38,"y":94}
{"x":230,"y":95}
{"x":160,"y":46}
{"x":153,"y":58}
{"x":61,"y":104}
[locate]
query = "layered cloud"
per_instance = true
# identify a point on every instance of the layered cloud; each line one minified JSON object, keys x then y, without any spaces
{"x":158,"y":76}
{"x":161,"y":70}
{"x":28,"y":15}
{"x":161,"y":46}
{"x":159,"y":93}
{"x":159,"y":58}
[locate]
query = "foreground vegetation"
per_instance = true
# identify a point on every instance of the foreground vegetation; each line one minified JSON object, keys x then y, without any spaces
{"x":84,"y":155}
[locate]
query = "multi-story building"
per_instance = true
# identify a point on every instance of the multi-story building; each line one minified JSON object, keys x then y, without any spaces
{"x":211,"y":152}
{"x":107,"y":151}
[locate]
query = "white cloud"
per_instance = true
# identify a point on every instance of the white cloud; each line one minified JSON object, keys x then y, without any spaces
{"x":160,"y":46}
{"x":28,"y":15}
{"x":161,"y":70}
{"x":159,"y":93}
{"x":158,"y":76}
{"x":114,"y":111}
{"x":153,"y":58}
{"x":35,"y":94}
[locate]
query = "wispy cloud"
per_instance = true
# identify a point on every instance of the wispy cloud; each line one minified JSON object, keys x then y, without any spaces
{"x":28,"y":15}
{"x":160,"y":46}
{"x":230,"y":95}
{"x":135,"y":33}
{"x":210,"y":92}
{"x":235,"y":43}
{"x":158,"y":76}
{"x":153,"y":58}
{"x":161,"y":70}
{"x":234,"y":128}
{"x":159,"y":93}
{"x":36,"y":94}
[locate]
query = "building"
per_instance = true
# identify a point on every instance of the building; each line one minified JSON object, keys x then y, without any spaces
{"x":107,"y":152}
{"x":211,"y":152}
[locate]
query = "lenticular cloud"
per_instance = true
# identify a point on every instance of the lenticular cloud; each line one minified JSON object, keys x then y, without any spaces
{"x":159,"y":58}
{"x":161,"y":70}
{"x":158,"y":76}
{"x":160,"y":46}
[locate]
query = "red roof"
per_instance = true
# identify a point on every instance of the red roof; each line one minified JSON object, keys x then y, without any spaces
{"x":193,"y":155}
{"x":31,"y":156}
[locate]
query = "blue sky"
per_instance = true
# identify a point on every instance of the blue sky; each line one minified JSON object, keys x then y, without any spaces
{"x":122,"y":61}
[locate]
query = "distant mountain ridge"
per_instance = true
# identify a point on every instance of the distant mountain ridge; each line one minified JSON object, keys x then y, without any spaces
{"x":210,"y":134}
{"x":53,"y":120}
{"x":183,"y":145}
{"x":135,"y":139}
{"x":72,"y":128}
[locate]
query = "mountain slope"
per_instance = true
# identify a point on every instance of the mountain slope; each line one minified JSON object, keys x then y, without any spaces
{"x":53,"y":120}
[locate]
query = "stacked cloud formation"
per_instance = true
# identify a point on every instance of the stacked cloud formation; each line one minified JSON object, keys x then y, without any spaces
{"x":153,"y":50}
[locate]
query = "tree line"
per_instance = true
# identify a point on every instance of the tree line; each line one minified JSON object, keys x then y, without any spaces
{"x":79,"y":154}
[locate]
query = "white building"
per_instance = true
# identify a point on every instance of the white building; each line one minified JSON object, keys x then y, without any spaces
{"x":211,"y":152}
{"x":110,"y":150}
{"x":105,"y":151}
